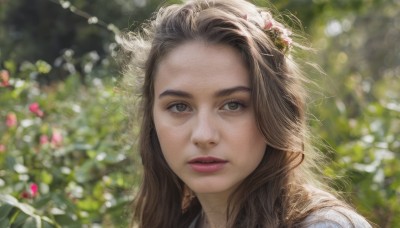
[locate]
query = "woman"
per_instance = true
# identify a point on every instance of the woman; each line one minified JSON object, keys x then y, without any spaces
{"x":223,"y":138}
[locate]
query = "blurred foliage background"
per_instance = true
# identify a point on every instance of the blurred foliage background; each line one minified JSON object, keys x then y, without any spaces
{"x":64,"y":159}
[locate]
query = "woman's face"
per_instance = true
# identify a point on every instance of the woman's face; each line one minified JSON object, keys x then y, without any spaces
{"x":204,"y":118}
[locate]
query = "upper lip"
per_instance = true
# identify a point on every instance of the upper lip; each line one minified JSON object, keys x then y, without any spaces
{"x":207,"y":159}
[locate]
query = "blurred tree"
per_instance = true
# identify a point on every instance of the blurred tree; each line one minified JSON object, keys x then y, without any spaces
{"x":359,"y":115}
{"x":45,"y":29}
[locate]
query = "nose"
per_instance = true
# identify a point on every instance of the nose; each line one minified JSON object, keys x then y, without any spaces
{"x":205,"y":132}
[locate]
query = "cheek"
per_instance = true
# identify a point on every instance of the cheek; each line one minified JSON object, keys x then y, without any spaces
{"x":165,"y":136}
{"x":170,"y":138}
{"x":172,"y":148}
{"x":251,"y":141}
{"x":246,"y":132}
{"x":255,"y":147}
{"x":162,"y":134}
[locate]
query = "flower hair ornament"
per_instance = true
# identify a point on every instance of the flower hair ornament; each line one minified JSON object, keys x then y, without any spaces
{"x":275,"y":30}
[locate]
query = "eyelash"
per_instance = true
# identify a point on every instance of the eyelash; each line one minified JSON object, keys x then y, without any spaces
{"x":241,"y":105}
{"x":174,"y":105}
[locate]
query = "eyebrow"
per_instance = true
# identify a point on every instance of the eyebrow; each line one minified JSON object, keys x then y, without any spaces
{"x":175,"y":93}
{"x":221,"y":93}
{"x":229,"y":91}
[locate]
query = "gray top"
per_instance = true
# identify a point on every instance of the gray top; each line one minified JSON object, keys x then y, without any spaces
{"x":335,"y":217}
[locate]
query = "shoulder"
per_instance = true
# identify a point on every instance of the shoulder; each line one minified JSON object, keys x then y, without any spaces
{"x":335,"y":217}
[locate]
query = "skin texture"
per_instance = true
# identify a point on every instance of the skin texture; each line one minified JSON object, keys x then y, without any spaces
{"x":203,"y":108}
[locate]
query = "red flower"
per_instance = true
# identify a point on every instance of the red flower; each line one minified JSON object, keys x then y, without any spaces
{"x":25,"y":195}
{"x":5,"y":77}
{"x":32,"y":193}
{"x":34,"y":108}
{"x":11,"y":119}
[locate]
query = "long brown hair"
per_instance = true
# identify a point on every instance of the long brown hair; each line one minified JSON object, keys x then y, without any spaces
{"x":277,"y":193}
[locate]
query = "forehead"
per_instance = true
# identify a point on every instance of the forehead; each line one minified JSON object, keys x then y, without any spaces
{"x":200,"y":63}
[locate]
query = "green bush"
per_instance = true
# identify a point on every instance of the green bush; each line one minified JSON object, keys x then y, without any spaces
{"x":63,"y":162}
{"x":363,"y":128}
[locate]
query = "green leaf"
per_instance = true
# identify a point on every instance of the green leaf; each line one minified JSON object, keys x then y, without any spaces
{"x":26,"y":208}
{"x":30,"y":223}
{"x":4,"y":222}
{"x":42,"y":201}
{"x":89,"y":204}
{"x":10,"y":66}
{"x":43,"y":67}
{"x":83,"y":173}
{"x":4,"y":211}
{"x":46,"y":177}
{"x":19,"y":220}
{"x":10,"y":162}
{"x":66,"y":221}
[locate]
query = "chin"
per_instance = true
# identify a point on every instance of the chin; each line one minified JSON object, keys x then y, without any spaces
{"x":211,"y":188}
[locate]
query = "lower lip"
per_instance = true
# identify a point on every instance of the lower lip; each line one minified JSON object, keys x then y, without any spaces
{"x":207,"y":167}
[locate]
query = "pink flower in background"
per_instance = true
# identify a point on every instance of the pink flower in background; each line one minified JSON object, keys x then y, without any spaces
{"x":5,"y":77}
{"x":34,"y":189}
{"x":34,"y":108}
{"x":2,"y":148}
{"x":56,"y":138}
{"x":11,"y":119}
{"x":44,"y":139}
{"x":32,"y":193}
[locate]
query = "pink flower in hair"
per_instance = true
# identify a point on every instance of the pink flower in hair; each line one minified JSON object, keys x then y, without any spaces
{"x":268,"y":20}
{"x":287,"y":41}
{"x":285,"y":36}
{"x":278,"y":33}
{"x":268,"y":25}
{"x":34,"y":108}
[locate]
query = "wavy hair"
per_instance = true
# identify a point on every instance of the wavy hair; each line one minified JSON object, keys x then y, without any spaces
{"x":278,"y":192}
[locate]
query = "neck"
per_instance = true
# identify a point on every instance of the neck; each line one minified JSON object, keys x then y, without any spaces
{"x":214,"y":210}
